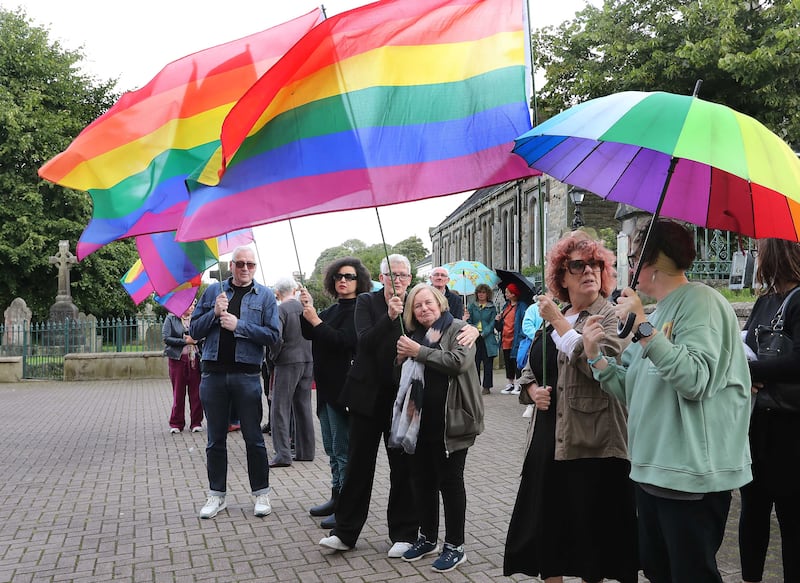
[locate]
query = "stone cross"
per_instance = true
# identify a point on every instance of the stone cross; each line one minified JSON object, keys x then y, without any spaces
{"x":65,"y":260}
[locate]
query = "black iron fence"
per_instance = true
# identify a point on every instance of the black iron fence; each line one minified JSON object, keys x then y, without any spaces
{"x":42,"y":345}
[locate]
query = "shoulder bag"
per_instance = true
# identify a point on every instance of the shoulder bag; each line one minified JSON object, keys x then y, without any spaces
{"x":773,"y":342}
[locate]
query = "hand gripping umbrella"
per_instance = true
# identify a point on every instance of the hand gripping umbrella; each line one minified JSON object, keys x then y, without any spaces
{"x":673,"y":155}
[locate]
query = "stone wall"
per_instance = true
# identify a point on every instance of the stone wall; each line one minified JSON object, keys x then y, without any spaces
{"x":115,"y":365}
{"x":10,"y":369}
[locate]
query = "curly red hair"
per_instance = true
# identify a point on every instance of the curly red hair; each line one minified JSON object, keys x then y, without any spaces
{"x":587,"y":248}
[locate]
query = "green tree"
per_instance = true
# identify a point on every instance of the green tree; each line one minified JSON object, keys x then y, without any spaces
{"x":44,"y":103}
{"x":745,"y":53}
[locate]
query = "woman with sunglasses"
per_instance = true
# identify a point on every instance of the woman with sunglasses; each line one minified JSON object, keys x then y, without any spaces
{"x":587,"y":527}
{"x":333,"y":345}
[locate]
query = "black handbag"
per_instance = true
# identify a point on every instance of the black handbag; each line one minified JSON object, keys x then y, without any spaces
{"x":773,"y":342}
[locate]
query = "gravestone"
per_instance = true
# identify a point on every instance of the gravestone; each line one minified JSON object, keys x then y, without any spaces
{"x":63,"y":309}
{"x":16,"y":318}
{"x":742,"y":269}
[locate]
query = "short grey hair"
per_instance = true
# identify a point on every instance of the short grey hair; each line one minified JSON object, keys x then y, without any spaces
{"x":285,"y":285}
{"x":241,"y":248}
{"x":395,"y":258}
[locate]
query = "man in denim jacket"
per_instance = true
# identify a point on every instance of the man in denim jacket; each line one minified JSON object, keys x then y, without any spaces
{"x":238,"y":318}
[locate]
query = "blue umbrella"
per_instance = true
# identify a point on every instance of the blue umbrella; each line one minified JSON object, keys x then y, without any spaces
{"x":465,"y":276}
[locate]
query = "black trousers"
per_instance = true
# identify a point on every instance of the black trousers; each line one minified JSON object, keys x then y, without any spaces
{"x":754,"y":528}
{"x":433,"y":472}
{"x":679,"y":539}
{"x":482,"y":358}
{"x":353,"y":504}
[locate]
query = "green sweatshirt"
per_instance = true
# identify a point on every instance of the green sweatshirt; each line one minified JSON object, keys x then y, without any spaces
{"x":688,"y":395}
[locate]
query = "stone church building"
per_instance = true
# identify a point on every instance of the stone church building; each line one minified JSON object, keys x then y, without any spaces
{"x":499,"y":225}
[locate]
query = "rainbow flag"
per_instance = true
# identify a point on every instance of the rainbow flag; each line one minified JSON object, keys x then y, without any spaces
{"x":134,"y":159}
{"x":178,"y":301}
{"x":136,"y":283}
{"x":392,"y":102}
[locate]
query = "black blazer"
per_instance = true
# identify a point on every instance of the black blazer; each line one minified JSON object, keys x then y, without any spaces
{"x":371,"y":385}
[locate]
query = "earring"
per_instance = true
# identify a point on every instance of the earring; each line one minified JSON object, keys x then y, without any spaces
{"x":653,"y":277}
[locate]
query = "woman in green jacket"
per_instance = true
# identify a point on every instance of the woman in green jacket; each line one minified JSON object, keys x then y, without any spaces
{"x":686,"y":384}
{"x":441,"y":416}
{"x":482,"y":314}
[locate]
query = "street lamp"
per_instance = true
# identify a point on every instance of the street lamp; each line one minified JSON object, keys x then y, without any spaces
{"x":577,"y":195}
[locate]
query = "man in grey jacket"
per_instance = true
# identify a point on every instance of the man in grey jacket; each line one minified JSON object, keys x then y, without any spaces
{"x":291,"y":382}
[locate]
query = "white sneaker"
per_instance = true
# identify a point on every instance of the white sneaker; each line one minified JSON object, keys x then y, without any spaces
{"x":212,"y":507}
{"x":197,"y":429}
{"x":334,"y":542}
{"x":516,"y":390}
{"x":528,"y":413}
{"x":399,"y":549}
{"x":508,"y":390}
{"x":174,"y":430}
{"x":263,"y":507}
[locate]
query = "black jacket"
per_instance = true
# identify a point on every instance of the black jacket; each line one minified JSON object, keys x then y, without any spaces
{"x":371,"y":384}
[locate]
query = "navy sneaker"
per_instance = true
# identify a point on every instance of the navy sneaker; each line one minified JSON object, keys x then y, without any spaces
{"x":421,"y":548}
{"x":450,"y":558}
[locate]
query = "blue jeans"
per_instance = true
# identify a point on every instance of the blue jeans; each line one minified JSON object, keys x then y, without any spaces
{"x":217,"y":392}
{"x":335,"y":428}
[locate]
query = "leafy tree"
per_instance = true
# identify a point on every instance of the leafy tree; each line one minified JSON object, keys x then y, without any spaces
{"x":745,"y":53}
{"x":44,"y":103}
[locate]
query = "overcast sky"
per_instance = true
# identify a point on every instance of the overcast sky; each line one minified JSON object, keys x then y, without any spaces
{"x":133,"y":41}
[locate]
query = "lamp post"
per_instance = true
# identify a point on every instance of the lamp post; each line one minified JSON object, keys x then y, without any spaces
{"x":577,"y":195}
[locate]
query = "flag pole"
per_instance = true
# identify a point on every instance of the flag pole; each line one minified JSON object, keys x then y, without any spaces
{"x":540,"y":194}
{"x":388,"y":263}
{"x":296,"y":254}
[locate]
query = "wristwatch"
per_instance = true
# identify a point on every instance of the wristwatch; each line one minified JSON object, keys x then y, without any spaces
{"x":645,"y":330}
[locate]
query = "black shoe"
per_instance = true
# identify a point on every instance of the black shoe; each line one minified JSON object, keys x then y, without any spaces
{"x":329,"y":522}
{"x":265,"y":428}
{"x":326,"y":508}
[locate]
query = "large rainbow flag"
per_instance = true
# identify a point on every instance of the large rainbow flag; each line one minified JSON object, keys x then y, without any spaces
{"x":138,"y":286}
{"x":392,"y":102}
{"x":134,"y":159}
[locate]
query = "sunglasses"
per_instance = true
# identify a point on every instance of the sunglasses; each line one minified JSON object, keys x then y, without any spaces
{"x":347,"y":276}
{"x":241,"y":265}
{"x":578,"y":266}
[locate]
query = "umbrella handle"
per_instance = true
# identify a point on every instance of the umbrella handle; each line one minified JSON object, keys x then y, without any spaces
{"x":623,"y":329}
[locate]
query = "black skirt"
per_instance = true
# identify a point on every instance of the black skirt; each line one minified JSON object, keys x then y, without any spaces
{"x":571,"y":518}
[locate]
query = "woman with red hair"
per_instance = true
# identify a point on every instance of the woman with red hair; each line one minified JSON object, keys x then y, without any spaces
{"x":508,"y":324}
{"x":578,"y":457}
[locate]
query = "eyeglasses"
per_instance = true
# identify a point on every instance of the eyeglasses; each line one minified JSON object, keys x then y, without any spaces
{"x":578,"y":266}
{"x":397,"y":275}
{"x":347,"y":276}
{"x":241,"y":265}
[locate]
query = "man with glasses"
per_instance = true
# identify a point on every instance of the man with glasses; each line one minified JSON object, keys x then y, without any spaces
{"x":369,"y":393}
{"x":238,"y":318}
{"x":439,"y":279}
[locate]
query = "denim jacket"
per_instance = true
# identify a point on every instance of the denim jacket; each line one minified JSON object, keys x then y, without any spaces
{"x":258,"y":324}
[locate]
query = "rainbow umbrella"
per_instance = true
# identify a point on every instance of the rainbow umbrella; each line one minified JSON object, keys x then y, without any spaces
{"x":465,"y":276}
{"x":673,"y":155}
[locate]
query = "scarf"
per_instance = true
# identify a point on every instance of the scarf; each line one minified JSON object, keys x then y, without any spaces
{"x":190,"y":349}
{"x":407,"y":412}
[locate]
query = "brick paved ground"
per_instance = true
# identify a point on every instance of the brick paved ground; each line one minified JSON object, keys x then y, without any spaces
{"x":94,"y":488}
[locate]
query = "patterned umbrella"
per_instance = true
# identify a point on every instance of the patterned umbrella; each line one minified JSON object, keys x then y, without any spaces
{"x":675,"y":155}
{"x":465,"y":276}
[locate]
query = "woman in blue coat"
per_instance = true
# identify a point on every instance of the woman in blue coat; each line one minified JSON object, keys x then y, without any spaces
{"x":482,"y":313}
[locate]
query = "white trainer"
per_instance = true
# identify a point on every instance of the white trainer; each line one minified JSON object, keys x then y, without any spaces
{"x":263,"y":507}
{"x":213,"y":506}
{"x":516,"y":390}
{"x":508,"y":390}
{"x":399,"y":549}
{"x":334,"y":542}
